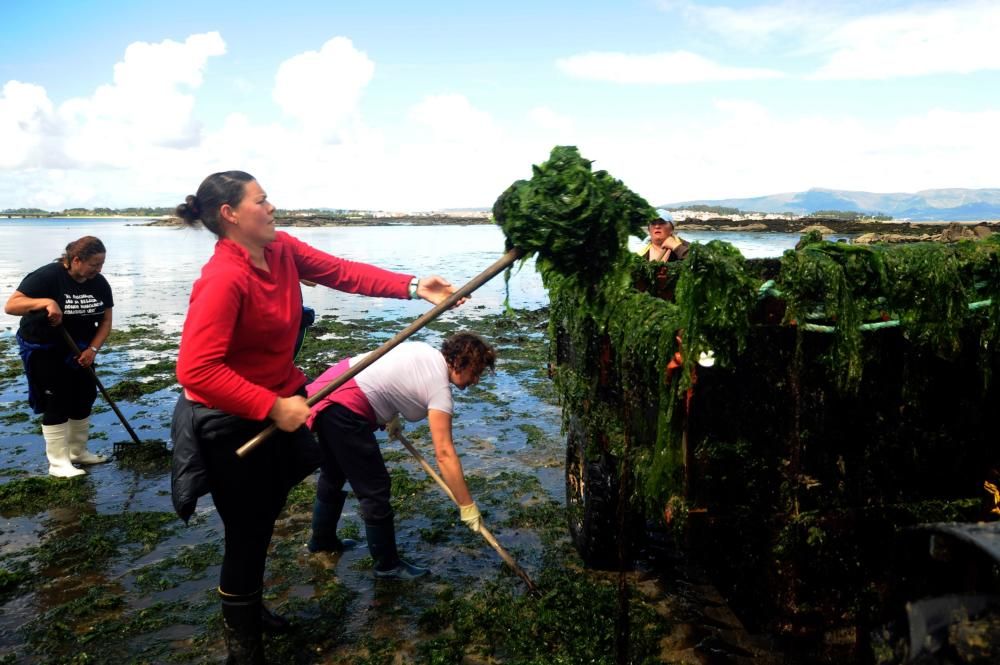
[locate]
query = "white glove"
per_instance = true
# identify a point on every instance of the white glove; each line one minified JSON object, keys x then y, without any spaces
{"x":394,"y":428}
{"x":471,"y":517}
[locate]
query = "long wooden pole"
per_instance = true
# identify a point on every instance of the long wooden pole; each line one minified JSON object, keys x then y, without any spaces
{"x":483,"y":531}
{"x":100,"y":386}
{"x":503,"y":262}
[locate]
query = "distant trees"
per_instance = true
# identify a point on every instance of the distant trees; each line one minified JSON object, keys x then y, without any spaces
{"x":718,"y":210}
{"x":141,"y":211}
{"x":284,"y":212}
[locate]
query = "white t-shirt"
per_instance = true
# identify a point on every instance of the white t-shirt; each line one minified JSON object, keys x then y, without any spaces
{"x":409,"y":380}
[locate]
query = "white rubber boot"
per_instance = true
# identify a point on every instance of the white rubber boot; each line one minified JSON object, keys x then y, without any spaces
{"x":57,"y":450}
{"x":77,"y":439}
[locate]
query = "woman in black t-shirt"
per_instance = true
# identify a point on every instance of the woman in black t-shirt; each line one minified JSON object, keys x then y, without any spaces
{"x":70,"y":292}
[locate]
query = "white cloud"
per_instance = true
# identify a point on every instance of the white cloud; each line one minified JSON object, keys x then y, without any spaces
{"x":656,"y":68}
{"x":25,"y":116}
{"x":451,"y":118}
{"x":957,"y":39}
{"x":745,"y":148}
{"x":547,"y":119}
{"x":148,"y":106}
{"x":322,"y":89}
{"x":150,"y":103}
{"x":861,"y":40}
{"x":753,"y":23}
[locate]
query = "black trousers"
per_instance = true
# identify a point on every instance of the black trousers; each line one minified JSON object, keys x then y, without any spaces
{"x":249,"y":492}
{"x":351,"y":453}
{"x":61,"y":391}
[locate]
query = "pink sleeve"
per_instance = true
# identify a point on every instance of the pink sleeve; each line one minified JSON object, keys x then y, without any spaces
{"x":344,"y":275}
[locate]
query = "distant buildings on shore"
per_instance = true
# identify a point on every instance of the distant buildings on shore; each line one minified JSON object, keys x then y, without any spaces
{"x":705,"y":216}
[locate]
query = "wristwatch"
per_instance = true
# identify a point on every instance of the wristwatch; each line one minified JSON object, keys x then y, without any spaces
{"x":414,"y":283}
{"x":94,"y":349}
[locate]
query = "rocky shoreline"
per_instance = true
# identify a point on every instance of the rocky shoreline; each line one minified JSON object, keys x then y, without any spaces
{"x":343,"y":220}
{"x":867,"y":231}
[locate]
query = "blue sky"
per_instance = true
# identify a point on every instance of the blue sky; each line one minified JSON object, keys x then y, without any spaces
{"x":412,"y":106}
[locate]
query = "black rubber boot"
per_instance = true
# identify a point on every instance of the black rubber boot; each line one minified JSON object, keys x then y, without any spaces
{"x":382,"y":546}
{"x":326,"y":515}
{"x":273,"y":623}
{"x":241,"y":623}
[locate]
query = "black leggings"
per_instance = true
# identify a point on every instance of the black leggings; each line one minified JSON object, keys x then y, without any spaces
{"x":351,"y":453}
{"x":250,"y":492}
{"x":61,"y":391}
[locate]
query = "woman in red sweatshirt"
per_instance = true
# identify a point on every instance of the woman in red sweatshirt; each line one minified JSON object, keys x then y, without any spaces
{"x":236,"y":368}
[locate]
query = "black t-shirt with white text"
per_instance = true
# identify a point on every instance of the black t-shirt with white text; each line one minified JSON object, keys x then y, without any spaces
{"x":83,"y":305}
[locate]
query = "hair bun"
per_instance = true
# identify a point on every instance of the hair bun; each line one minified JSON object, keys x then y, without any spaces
{"x":193,"y":205}
{"x":190,"y":210}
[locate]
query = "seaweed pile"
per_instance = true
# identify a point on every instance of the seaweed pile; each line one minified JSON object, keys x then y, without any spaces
{"x":576,"y":220}
{"x":849,"y":390}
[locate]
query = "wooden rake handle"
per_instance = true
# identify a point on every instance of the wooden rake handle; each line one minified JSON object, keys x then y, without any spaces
{"x":483,"y":531}
{"x":100,"y":386}
{"x":503,"y":262}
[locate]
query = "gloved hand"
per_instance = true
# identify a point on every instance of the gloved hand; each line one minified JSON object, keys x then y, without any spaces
{"x":394,"y":428}
{"x":471,"y":517}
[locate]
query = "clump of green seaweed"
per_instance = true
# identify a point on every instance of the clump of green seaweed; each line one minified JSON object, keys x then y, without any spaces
{"x":575,"y":219}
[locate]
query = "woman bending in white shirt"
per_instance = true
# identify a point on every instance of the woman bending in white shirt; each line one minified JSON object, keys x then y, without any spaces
{"x":414,"y":379}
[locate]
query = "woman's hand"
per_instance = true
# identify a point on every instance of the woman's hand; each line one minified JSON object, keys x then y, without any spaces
{"x":289,"y":413}
{"x":87,"y":357}
{"x":436,"y":289}
{"x":53,"y":313}
{"x":470,"y":516}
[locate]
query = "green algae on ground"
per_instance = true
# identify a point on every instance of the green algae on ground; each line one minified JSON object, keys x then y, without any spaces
{"x":301,"y":498}
{"x":98,"y":627}
{"x":572,"y":622}
{"x":189,"y":563}
{"x":13,"y":576}
{"x":15,"y":417}
{"x":533,"y":433}
{"x":330,"y":340}
{"x":26,"y":496}
{"x":129,"y":389}
{"x":100,"y":538}
{"x":148,"y":456}
{"x":320,"y":623}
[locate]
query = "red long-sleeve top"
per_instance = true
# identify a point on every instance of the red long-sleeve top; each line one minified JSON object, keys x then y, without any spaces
{"x":238,"y":341}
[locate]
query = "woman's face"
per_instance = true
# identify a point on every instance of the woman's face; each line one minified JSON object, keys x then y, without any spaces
{"x":659,"y":232}
{"x":253,"y":218}
{"x":83,"y":269}
{"x":465,"y":378}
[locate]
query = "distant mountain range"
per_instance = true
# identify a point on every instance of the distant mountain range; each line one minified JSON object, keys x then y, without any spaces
{"x":926,"y":205}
